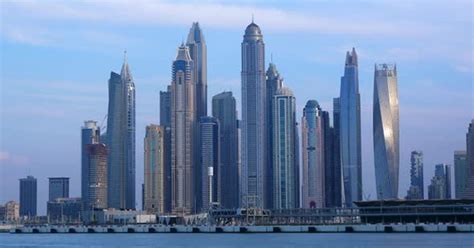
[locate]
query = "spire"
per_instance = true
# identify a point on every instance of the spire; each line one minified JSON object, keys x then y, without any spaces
{"x":195,"y":34}
{"x":351,"y":57}
{"x":252,"y":18}
{"x":125,"y":56}
{"x":125,"y":72}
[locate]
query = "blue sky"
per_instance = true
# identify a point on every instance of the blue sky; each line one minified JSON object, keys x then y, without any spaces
{"x":56,"y":57}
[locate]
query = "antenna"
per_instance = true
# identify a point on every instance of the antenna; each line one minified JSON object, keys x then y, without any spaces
{"x":252,"y":17}
{"x":125,"y":56}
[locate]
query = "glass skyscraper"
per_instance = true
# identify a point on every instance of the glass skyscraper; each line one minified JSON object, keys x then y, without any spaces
{"x":224,"y":109}
{"x":28,"y":196}
{"x":165,"y":123}
{"x":349,"y":131}
{"x":210,"y":162}
{"x":285,"y":175}
{"x":183,"y":126}
{"x":121,"y":140}
{"x":254,"y":132}
{"x":386,"y":131}
{"x":58,"y":188}
{"x":469,"y":190}
{"x":313,"y":156}
{"x":273,"y":83}
{"x":461,"y":173}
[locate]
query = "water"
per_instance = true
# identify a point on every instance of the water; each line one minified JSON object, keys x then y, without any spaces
{"x":369,"y":240}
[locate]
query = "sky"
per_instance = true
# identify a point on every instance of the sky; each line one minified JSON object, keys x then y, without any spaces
{"x":56,"y":58}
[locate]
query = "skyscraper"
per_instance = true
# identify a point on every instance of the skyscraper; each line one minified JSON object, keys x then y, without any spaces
{"x":198,"y":52}
{"x":165,"y":123}
{"x":95,"y":197}
{"x":285,"y":178}
{"x":224,"y":109}
{"x":28,"y":196}
{"x":349,"y":131}
{"x":416,"y":190}
{"x":121,"y":139}
{"x":461,"y":173}
{"x":254,"y":156}
{"x":284,"y":129}
{"x":154,"y":187}
{"x":90,"y":134}
{"x":469,"y":191}
{"x":386,"y":131}
{"x":58,"y":188}
{"x":440,"y":187}
{"x":336,"y":149}
{"x":332,"y":170}
{"x":313,"y":156}
{"x":210,"y":162}
{"x":183,"y":125}
{"x":273,"y":83}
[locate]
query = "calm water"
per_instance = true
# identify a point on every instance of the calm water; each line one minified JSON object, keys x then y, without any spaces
{"x":239,"y":240}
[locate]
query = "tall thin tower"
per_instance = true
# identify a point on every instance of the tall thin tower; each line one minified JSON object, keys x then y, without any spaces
{"x":386,"y":131}
{"x":121,"y":139}
{"x":349,"y":131}
{"x":253,"y":184}
{"x":183,"y":124}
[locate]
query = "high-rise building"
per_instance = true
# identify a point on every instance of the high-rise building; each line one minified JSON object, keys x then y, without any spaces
{"x":210,"y":162}
{"x":28,"y":196}
{"x":349,"y":131}
{"x":121,"y":140}
{"x":273,"y":83}
{"x":95,"y":196}
{"x":183,"y":125}
{"x":224,"y":109}
{"x":440,"y":187}
{"x":90,"y":134}
{"x":165,"y":123}
{"x":336,"y":149}
{"x":165,"y":107}
{"x":285,"y":175}
{"x":254,"y":130}
{"x":58,"y":188}
{"x":469,"y":190}
{"x":461,"y":173}
{"x":154,"y":186}
{"x":198,"y":52}
{"x":332,"y":170}
{"x":386,"y":131}
{"x":416,"y":190}
{"x":313,"y":156}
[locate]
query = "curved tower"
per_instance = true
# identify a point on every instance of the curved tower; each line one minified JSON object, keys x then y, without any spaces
{"x":386,"y":131}
{"x":253,"y":184}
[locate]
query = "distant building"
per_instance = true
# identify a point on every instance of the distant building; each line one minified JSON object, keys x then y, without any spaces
{"x":10,"y":212}
{"x":332,"y":166}
{"x":337,"y":176}
{"x":154,"y":202}
{"x":416,"y":190}
{"x":349,"y":131}
{"x":210,"y":162}
{"x":90,"y":134}
{"x":121,"y":140}
{"x":165,"y":123}
{"x":440,"y":186}
{"x":313,"y":156}
{"x":183,"y":128}
{"x":58,"y":188}
{"x":254,"y":127}
{"x":224,"y":109}
{"x":28,"y":196}
{"x":461,"y":173}
{"x":273,"y":83}
{"x":386,"y":131}
{"x":285,"y":173}
{"x":65,"y":210}
{"x":116,"y":216}
{"x":469,"y":191}
{"x":95,"y":192}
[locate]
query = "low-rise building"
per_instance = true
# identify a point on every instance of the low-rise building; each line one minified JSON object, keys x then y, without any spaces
{"x":65,"y":210}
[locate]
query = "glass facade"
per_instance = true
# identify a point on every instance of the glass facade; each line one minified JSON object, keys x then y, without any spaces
{"x":386,"y":131}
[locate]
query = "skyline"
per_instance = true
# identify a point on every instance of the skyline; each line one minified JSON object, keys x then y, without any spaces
{"x":150,"y":105}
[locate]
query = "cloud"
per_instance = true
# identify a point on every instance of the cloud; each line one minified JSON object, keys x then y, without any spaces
{"x":7,"y":158}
